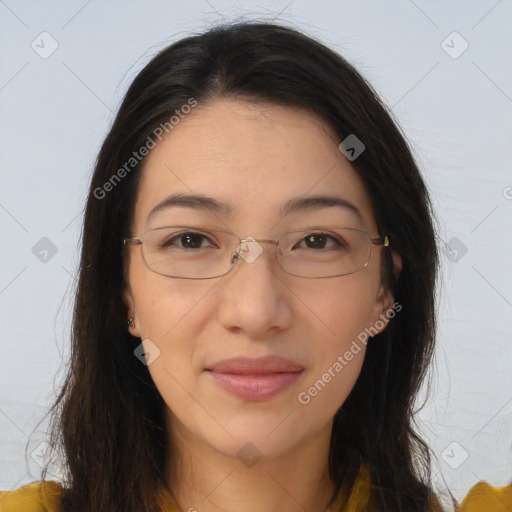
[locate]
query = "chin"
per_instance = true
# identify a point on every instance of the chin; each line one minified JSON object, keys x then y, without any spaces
{"x":251,"y":448}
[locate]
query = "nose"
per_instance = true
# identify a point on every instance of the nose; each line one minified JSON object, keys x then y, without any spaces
{"x":255,"y":301}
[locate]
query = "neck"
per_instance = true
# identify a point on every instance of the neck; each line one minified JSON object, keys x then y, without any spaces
{"x":204,"y":479}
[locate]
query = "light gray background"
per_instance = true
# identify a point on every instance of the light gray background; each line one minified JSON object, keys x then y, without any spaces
{"x":456,"y":112}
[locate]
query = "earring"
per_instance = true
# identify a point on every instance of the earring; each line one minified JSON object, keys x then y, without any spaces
{"x":131,"y":321}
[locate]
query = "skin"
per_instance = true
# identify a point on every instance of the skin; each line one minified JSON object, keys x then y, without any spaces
{"x":253,"y":156}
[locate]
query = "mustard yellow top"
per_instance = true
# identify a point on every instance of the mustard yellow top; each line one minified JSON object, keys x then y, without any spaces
{"x":32,"y":497}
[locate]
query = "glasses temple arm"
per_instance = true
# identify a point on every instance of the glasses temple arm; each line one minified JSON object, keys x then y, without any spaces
{"x":384,"y":240}
{"x":132,"y":241}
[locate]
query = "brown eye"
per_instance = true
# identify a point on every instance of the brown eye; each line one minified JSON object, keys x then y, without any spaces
{"x":320,"y":240}
{"x":189,"y":240}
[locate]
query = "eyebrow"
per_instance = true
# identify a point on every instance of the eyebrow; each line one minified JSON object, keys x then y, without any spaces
{"x":297,"y":204}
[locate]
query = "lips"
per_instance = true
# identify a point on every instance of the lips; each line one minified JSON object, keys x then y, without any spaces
{"x":255,"y":379}
{"x":255,"y":366}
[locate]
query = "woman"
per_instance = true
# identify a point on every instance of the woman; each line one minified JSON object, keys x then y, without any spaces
{"x":256,"y":303}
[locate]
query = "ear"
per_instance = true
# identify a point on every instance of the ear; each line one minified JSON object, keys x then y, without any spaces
{"x":384,"y":307}
{"x":397,"y":263}
{"x":129,"y":302}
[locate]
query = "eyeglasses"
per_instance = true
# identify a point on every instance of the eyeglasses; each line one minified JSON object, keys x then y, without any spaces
{"x":187,"y":252}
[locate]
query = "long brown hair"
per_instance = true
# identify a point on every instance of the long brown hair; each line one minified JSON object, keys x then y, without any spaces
{"x":108,"y":420}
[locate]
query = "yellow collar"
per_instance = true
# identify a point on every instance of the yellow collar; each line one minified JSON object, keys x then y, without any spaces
{"x":358,"y":497}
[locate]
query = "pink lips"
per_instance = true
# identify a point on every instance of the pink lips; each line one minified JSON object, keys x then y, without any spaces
{"x":255,"y":379}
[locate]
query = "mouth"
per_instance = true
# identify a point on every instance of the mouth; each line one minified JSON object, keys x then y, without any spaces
{"x":255,"y":379}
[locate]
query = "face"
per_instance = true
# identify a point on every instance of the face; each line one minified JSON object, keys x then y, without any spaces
{"x":253,"y":158}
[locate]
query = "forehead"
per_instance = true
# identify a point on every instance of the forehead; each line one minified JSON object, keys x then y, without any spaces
{"x":253,"y":157}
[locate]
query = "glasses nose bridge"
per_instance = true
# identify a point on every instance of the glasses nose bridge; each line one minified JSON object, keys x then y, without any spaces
{"x":236,"y":255}
{"x":259,"y":240}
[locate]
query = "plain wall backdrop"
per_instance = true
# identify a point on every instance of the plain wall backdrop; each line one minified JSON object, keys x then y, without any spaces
{"x":443,"y":68}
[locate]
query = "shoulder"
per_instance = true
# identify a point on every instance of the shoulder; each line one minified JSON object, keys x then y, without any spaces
{"x":39,"y":496}
{"x":483,"y":496}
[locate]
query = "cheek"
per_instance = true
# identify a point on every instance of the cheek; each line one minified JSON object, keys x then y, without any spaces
{"x":340,"y":314}
{"x":328,"y":389}
{"x":170,"y":315}
{"x":343,"y":309}
{"x":165,"y":305}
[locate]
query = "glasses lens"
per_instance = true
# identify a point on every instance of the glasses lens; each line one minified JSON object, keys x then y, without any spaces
{"x":188,"y":252}
{"x":324,"y":252}
{"x":196,"y":253}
